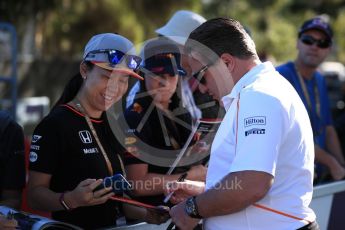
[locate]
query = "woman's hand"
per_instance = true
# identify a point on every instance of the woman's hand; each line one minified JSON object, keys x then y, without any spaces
{"x":183,"y":190}
{"x":197,"y":173}
{"x":154,"y":216}
{"x":84,"y":194}
{"x":9,"y":224}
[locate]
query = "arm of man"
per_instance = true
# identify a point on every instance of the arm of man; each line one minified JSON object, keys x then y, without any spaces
{"x":333,"y":144}
{"x":337,"y":171}
{"x":147,"y":183}
{"x":235,"y":192}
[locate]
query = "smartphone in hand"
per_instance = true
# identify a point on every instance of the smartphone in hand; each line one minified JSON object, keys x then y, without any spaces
{"x":117,"y":182}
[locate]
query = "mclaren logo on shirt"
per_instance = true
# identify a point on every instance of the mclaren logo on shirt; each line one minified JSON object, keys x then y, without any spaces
{"x":85,"y":136}
{"x":254,"y":131}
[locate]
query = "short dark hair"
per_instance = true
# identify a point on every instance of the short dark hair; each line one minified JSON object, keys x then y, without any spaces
{"x":225,"y":35}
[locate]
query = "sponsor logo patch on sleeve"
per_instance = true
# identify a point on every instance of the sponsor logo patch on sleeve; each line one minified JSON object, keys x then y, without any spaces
{"x":257,"y":120}
{"x":254,"y":131}
{"x":35,"y":138}
{"x":33,"y":157}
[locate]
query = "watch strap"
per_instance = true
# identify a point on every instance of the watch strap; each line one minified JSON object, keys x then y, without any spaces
{"x":192,"y":208}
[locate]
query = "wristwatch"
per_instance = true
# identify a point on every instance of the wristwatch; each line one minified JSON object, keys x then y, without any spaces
{"x":191,"y":208}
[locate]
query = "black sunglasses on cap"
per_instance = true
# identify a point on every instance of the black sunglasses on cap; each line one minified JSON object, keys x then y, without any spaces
{"x":115,"y":57}
{"x":310,"y":40}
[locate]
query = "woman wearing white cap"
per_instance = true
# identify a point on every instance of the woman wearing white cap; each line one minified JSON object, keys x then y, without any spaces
{"x":73,"y":148}
{"x":158,"y":127}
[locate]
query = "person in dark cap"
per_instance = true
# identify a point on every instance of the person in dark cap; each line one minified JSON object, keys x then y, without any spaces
{"x":158,"y":126}
{"x":315,"y":39}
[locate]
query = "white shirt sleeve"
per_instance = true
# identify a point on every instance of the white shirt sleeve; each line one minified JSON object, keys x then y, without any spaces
{"x":261,"y":124}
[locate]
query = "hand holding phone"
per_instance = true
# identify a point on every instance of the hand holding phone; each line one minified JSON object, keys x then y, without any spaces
{"x":117,"y":182}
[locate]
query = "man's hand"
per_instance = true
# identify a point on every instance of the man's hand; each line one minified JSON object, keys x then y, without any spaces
{"x":183,"y":190}
{"x":180,"y":218}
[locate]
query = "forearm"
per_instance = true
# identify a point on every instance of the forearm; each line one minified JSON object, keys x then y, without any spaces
{"x":11,"y":198}
{"x":333,"y":144}
{"x":12,"y":203}
{"x":325,"y":158}
{"x":235,"y":192}
{"x":152,"y":183}
{"x":134,"y":212}
{"x":42,"y":198}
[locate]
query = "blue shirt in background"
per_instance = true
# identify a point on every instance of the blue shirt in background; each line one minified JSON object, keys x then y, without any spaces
{"x":318,"y":123}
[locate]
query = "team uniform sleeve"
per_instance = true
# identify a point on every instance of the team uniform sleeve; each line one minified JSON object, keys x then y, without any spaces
{"x":45,"y":147}
{"x":261,"y":123}
{"x":14,"y":177}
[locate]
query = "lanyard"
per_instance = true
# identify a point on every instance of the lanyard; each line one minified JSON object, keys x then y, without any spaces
{"x":94,"y":133}
{"x":307,"y":96}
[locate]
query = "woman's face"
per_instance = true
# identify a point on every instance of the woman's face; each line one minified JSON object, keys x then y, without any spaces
{"x":161,"y":87}
{"x":102,"y":88}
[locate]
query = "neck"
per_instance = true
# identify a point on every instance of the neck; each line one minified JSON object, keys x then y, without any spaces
{"x":305,"y":71}
{"x":244,"y":67}
{"x":88,"y":109}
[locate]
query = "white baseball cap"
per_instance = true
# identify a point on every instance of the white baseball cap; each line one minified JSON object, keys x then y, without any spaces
{"x":180,"y":25}
{"x":107,"y":50}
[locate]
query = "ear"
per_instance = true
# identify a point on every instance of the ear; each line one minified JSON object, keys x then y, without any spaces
{"x":83,"y":70}
{"x":229,"y":61}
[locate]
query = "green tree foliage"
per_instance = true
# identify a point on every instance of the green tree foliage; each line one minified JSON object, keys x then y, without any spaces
{"x":274,"y":24}
{"x":62,"y":27}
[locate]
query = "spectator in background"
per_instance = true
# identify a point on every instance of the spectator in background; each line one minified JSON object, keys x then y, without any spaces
{"x":73,"y":148}
{"x":12,"y":162}
{"x":158,"y":121}
{"x":178,"y":28}
{"x":193,"y":97}
{"x":314,"y":44}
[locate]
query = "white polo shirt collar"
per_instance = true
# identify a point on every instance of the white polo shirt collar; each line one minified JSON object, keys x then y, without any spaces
{"x":247,"y":79}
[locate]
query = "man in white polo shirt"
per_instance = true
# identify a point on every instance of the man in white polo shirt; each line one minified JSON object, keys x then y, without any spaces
{"x":261,"y":168}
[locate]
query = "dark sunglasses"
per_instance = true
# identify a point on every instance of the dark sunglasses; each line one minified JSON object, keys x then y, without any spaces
{"x":310,"y":40}
{"x":199,"y":75}
{"x":116,"y":56}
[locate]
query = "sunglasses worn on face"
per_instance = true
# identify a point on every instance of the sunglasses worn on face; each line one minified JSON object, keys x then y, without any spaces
{"x":310,"y":40}
{"x":199,"y":75}
{"x":116,"y":56}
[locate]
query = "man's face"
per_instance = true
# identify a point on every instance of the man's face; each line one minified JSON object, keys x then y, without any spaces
{"x":213,"y":77}
{"x":311,"y":54}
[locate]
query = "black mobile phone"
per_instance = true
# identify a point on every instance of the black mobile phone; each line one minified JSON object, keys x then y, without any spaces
{"x":117,"y":182}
